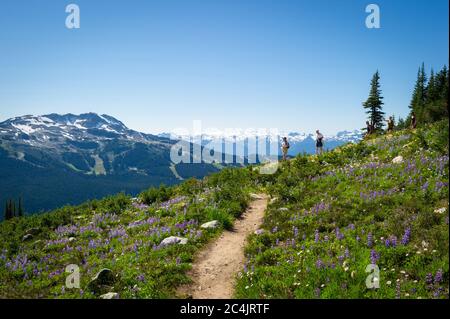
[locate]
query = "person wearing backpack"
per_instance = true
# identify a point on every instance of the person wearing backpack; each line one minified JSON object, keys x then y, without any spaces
{"x":319,"y":143}
{"x":369,"y":129}
{"x":390,"y":124}
{"x":285,"y":147}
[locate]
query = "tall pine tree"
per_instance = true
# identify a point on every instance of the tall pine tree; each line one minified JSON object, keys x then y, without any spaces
{"x":418,"y":100}
{"x":7,"y":214}
{"x":374,"y":104}
{"x":20,"y":209}
{"x":8,"y":210}
{"x":432,"y":89}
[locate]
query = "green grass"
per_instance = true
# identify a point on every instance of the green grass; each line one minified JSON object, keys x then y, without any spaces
{"x":319,"y":246}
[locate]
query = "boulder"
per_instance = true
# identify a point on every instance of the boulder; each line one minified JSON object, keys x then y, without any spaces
{"x":173,"y":240}
{"x":110,"y":295}
{"x":398,"y":159}
{"x":27,"y":237}
{"x":212,"y":224}
{"x":104,"y":278}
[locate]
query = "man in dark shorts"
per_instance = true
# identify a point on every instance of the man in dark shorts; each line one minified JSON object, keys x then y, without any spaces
{"x":285,"y":147}
{"x":368,"y":128}
{"x":319,"y":143}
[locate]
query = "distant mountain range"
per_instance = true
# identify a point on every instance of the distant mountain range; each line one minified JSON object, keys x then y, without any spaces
{"x":53,"y":160}
{"x":299,"y":142}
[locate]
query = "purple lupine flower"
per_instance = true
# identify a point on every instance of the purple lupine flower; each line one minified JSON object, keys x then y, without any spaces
{"x":438,"y":277}
{"x":141,"y":277}
{"x":429,"y":279}
{"x":437,"y":292}
{"x":374,"y":256}
{"x":275,"y":229}
{"x":316,"y":236}
{"x":339,"y":235}
{"x":387,"y":242}
{"x":295,"y":232}
{"x":393,"y":240}
{"x":319,"y":264}
{"x":347,"y":253}
{"x":369,"y":239}
{"x":406,"y":236}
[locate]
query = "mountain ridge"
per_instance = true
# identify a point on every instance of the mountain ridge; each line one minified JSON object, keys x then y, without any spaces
{"x":96,"y":155}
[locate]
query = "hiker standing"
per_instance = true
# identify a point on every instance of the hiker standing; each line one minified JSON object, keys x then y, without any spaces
{"x":285,"y":147}
{"x":369,"y":128}
{"x":319,"y":143}
{"x":413,"y":120}
{"x":390,"y":124}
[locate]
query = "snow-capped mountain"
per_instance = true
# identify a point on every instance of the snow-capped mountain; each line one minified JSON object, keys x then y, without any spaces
{"x":48,"y":129}
{"x":52,"y":160}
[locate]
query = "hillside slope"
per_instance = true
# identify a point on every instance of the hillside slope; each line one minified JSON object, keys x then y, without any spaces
{"x":329,"y":217}
{"x":54,"y":160}
{"x":383,"y":201}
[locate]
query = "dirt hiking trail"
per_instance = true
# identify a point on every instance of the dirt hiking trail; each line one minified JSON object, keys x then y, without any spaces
{"x":215,"y":266}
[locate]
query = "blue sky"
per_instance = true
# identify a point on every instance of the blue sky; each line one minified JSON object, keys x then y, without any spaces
{"x":159,"y":64}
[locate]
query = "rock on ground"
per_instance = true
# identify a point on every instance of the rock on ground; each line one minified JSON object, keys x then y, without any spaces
{"x":104,"y":278}
{"x":398,"y":159}
{"x":212,"y":224}
{"x":174,"y":240}
{"x":27,"y":237}
{"x":110,"y":295}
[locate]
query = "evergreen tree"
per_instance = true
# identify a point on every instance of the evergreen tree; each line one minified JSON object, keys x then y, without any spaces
{"x":374,"y":104}
{"x":442,"y":80}
{"x":432,"y":89}
{"x":7,"y":214}
{"x":8,"y":211}
{"x":419,"y":94}
{"x":436,"y":106}
{"x":13,"y":209}
{"x":20,"y":209}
